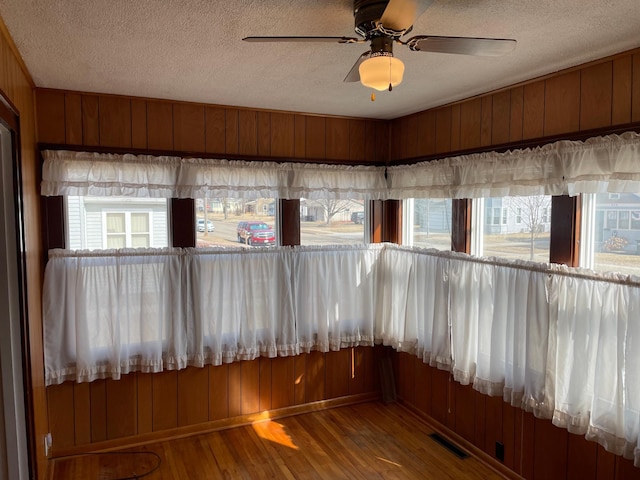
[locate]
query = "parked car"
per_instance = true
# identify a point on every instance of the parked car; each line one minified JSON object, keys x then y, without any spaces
{"x":357,"y":217}
{"x":256,"y":233}
{"x":200,"y":225}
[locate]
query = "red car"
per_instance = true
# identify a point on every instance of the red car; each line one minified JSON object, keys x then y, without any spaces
{"x":256,"y":233}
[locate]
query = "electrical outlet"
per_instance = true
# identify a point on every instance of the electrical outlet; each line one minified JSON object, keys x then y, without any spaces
{"x":48,"y":442}
{"x":500,"y":451}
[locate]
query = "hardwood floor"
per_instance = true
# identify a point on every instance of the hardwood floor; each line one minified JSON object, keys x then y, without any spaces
{"x":364,"y":441}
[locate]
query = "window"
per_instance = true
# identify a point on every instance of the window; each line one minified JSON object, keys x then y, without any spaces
{"x":116,"y":222}
{"x":518,"y":227}
{"x":610,"y":235}
{"x":427,"y":223}
{"x":233,"y":221}
{"x":332,"y":221}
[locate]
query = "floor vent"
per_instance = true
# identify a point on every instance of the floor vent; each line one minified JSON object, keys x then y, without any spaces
{"x":457,"y":451}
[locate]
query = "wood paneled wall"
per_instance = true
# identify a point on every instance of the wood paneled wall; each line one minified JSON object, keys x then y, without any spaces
{"x":140,"y":404}
{"x":17,"y":85}
{"x":533,"y":448}
{"x":105,"y":121}
{"x":599,"y":95}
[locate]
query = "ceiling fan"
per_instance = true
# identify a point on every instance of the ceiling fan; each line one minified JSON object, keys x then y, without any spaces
{"x":382,"y":23}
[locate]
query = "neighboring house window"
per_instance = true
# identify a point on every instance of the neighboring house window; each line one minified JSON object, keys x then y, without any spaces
{"x":518,"y":216}
{"x":95,"y":223}
{"x":427,"y":223}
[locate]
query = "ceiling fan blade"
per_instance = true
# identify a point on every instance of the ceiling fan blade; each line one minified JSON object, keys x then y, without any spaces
{"x":304,"y":39}
{"x":487,"y":47}
{"x":354,"y":73}
{"x":402,"y":14}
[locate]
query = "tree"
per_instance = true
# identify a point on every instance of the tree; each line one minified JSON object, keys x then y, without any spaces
{"x":332,"y":207}
{"x":533,"y":213}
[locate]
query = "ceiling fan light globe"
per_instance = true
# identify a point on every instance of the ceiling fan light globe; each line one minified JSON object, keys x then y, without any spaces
{"x":381,"y":71}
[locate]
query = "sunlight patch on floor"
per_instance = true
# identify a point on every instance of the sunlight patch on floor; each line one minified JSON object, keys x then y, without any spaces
{"x":274,"y":432}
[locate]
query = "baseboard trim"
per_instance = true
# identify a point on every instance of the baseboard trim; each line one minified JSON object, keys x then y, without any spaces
{"x":443,"y":430}
{"x":213,"y":426}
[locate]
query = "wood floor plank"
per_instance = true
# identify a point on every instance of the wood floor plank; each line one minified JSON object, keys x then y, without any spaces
{"x":368,"y":441}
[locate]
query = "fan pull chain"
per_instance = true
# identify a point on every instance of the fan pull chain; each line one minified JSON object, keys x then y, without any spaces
{"x":373,"y":96}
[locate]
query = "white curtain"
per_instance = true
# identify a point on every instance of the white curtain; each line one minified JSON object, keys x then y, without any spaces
{"x":97,"y":174}
{"x":600,"y":164}
{"x":561,"y":342}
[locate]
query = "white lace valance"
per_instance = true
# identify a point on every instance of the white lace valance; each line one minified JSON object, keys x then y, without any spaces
{"x":600,"y":164}
{"x":98,"y":174}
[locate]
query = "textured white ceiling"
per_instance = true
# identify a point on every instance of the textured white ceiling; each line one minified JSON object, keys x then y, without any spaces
{"x":192,"y":50}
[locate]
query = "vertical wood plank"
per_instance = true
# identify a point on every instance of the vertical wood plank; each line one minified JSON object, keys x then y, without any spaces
{"x":300,"y":379}
{"x":188,"y":127}
{"x":265,"y":384}
{"x":115,"y":121}
{"x":533,"y":110}
{"x":371,"y":142}
{"x":73,"y":118}
{"x":282,"y":135}
{"x":90,"y":120}
{"x":501,"y":118}
{"x":596,"y":85}
{"x":82,"y":413}
{"x":396,"y":142}
{"x":159,"y":125}
{"x":465,"y":411}
{"x":193,"y":396}
{"x":138,"y":123}
{"x":122,"y":407}
{"x":625,"y":470}
{"x":443,"y":130}
{"x":406,"y":375}
{"x":426,"y":133}
{"x":250,"y":381}
{"x":235,"y":389}
{"x":621,"y":95}
{"x":422,"y":379}
{"x":635,"y":89}
{"x":550,"y":451}
{"x":493,"y":424}
{"x":337,"y":373}
{"x":372,"y":361}
{"x":480,"y":428}
{"x":264,"y":134}
{"x":98,"y":411}
{"x":282,"y":390}
{"x":486,"y":123}
{"x":231,"y":131}
{"x":382,"y":143}
{"x":165,"y":400}
{"x":145,"y":401}
{"x":581,"y":458}
{"x":456,"y":111}
{"x":300,"y":141}
{"x":515,"y":115}
{"x":248,"y":135}
{"x":219,"y":392}
{"x":215,"y":125}
{"x":337,"y":138}
{"x":315,"y":376}
{"x":508,"y":434}
{"x":470,"y":124}
{"x":606,"y":464}
{"x":411,"y":126}
{"x":562,"y":104}
{"x":51,"y":118}
{"x":315,"y":138}
{"x":439,"y":395}
{"x":527,"y":458}
{"x":61,"y":419}
{"x":357,"y":137}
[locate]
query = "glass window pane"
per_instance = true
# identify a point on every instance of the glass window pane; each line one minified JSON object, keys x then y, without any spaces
{"x":611,"y":233}
{"x":332,"y":221}
{"x":235,"y":221}
{"x":140,"y":241}
{"x":432,"y":223}
{"x":519,"y":228}
{"x":93,"y":221}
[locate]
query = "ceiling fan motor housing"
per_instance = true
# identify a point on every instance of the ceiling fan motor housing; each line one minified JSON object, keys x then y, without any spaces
{"x":367,"y":14}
